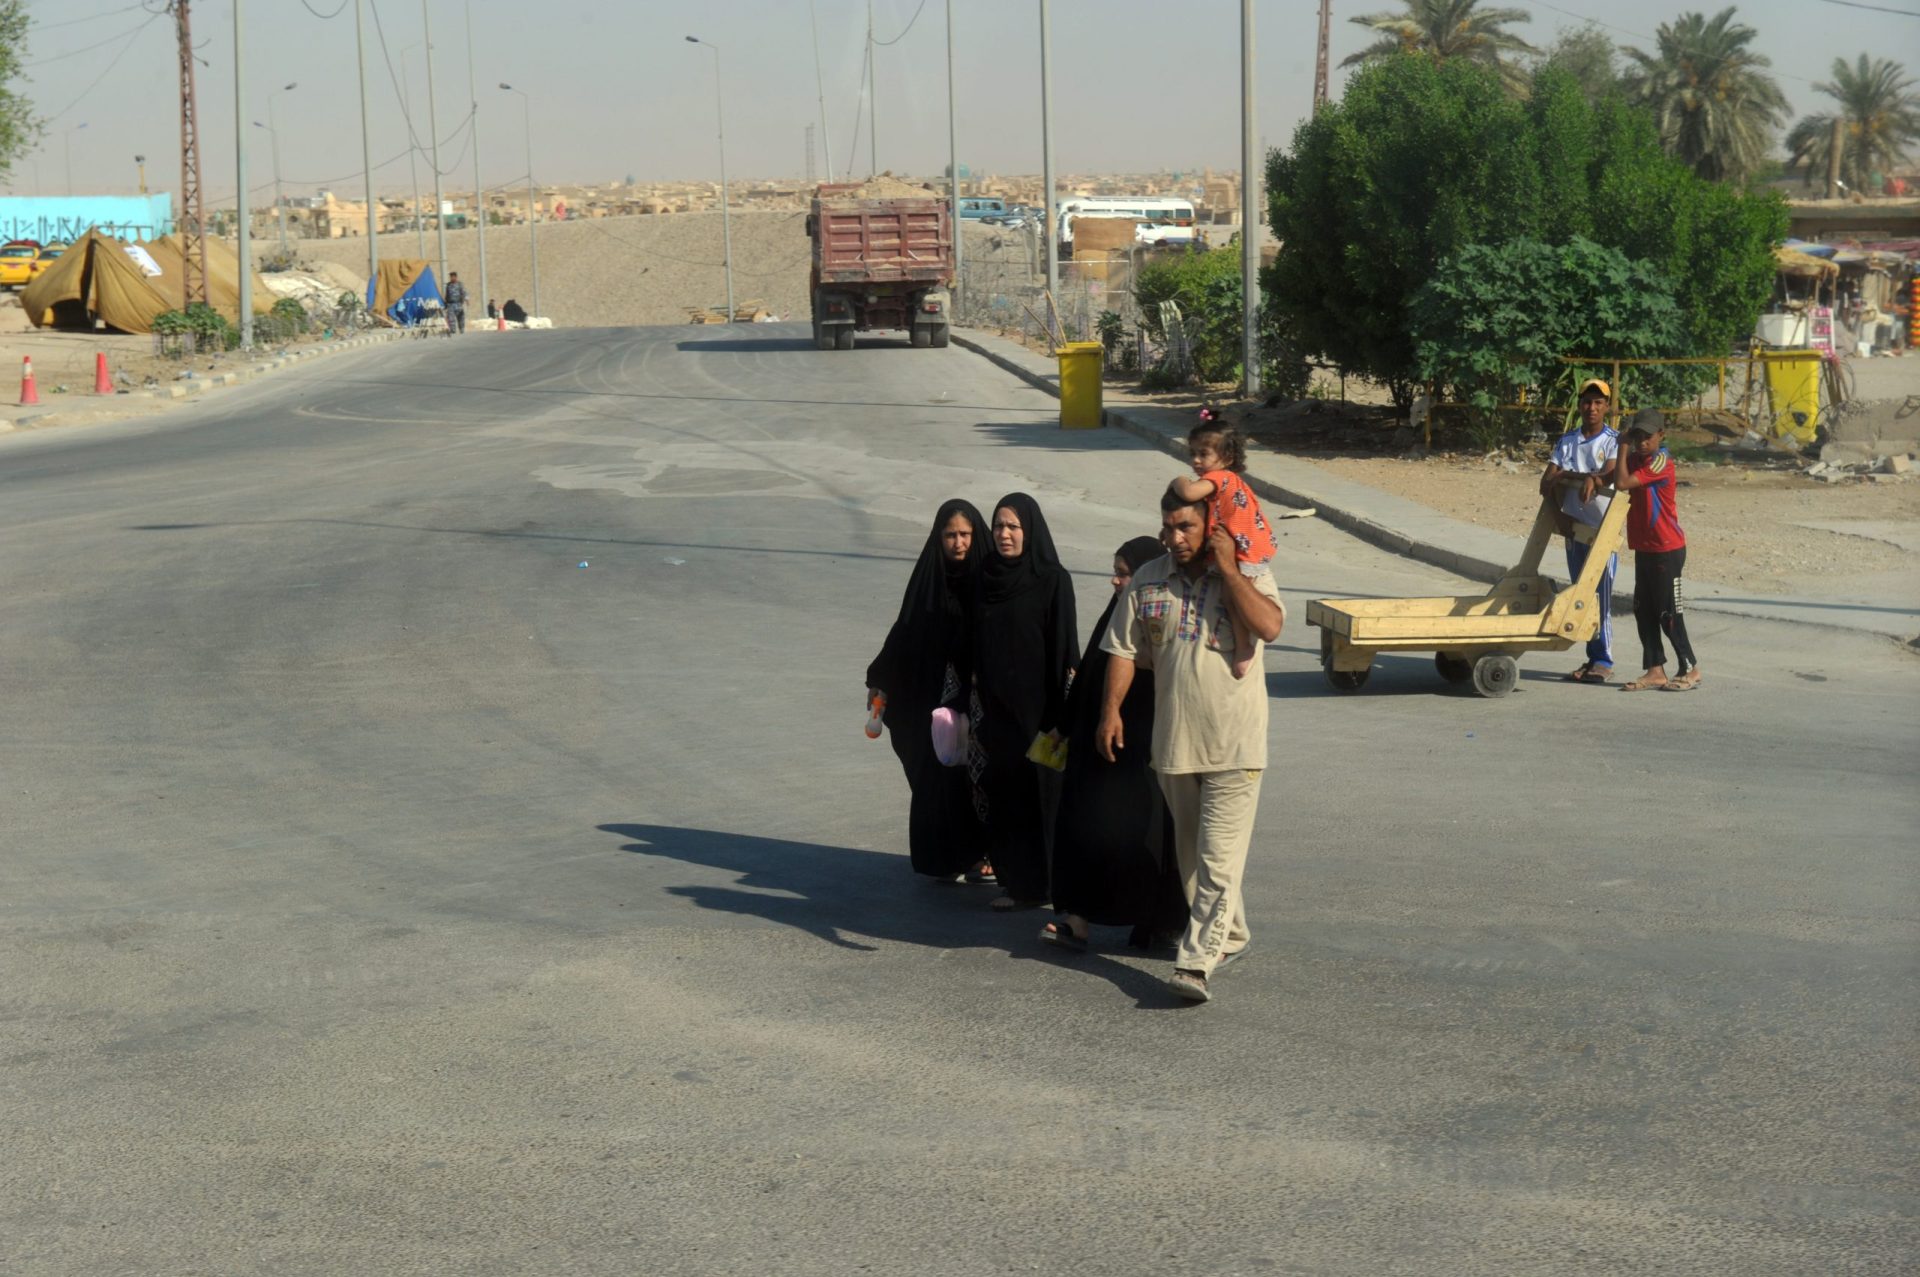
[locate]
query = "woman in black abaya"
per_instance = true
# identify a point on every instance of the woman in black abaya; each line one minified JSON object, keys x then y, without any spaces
{"x":1113,"y":838}
{"x":921,"y":667}
{"x":1025,"y":647}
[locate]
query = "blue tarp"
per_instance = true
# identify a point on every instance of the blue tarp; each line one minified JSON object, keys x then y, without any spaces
{"x":418,"y":299}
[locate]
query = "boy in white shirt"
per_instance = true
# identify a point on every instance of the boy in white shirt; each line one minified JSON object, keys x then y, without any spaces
{"x":1577,"y":475}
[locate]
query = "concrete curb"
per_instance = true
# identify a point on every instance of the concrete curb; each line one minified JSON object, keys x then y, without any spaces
{"x":199,"y":385}
{"x":1411,"y":530}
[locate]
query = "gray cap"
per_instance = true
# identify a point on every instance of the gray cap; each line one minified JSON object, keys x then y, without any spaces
{"x":1648,"y":421}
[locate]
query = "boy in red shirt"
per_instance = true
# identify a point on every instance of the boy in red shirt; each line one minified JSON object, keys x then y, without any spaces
{"x":1659,"y":548}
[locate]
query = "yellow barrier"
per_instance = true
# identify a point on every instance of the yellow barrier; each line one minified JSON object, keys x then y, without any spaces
{"x":1080,"y":387}
{"x":1793,"y":381}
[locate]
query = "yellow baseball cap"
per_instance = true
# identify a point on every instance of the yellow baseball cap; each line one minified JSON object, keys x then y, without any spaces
{"x":1594,"y":383}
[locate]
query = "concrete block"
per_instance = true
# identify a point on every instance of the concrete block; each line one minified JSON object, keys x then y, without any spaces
{"x":1895,"y":463}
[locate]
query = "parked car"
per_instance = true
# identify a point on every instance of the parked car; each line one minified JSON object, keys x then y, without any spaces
{"x":16,"y":264}
{"x":45,"y":258}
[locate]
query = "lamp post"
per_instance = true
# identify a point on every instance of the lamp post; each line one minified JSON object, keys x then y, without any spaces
{"x":273,"y":133}
{"x":1048,"y":227}
{"x":433,"y":140}
{"x":243,"y":244}
{"x":953,"y":176}
{"x":413,"y":147}
{"x":533,"y":225}
{"x":70,"y":132}
{"x":479,"y":192}
{"x":140,"y":166}
{"x":726,"y":227}
{"x":1249,"y":214}
{"x":366,"y":162}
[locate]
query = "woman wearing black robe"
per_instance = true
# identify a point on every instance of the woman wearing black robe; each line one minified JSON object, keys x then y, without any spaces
{"x":921,"y":667}
{"x":1025,"y":645}
{"x":1113,"y":837}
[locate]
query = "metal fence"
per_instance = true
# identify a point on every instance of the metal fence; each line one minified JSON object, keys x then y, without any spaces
{"x":1003,"y":285}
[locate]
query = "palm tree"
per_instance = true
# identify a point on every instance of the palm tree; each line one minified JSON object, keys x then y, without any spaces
{"x":1879,"y":117}
{"x":1444,"y":29}
{"x":1714,"y":103}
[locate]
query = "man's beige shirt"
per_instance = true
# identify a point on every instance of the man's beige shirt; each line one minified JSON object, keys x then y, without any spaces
{"x":1204,"y":719}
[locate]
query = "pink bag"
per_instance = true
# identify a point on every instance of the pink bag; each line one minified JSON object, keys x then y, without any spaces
{"x":950,"y":734}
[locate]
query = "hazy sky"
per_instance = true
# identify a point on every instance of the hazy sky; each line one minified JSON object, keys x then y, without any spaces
{"x":616,"y":90}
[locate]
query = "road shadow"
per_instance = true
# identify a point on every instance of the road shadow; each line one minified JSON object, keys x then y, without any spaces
{"x":745,"y":345}
{"x":1391,"y":676}
{"x":844,"y":896}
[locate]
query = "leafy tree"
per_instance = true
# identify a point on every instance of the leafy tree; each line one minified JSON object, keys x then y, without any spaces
{"x":1494,"y":320}
{"x":20,"y":129}
{"x":1448,"y":29}
{"x":1588,"y":55}
{"x":1716,"y":107}
{"x":1420,"y":160}
{"x":1207,"y":288}
{"x":1880,"y":118}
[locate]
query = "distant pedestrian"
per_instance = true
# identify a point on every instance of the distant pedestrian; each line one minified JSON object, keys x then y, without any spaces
{"x":493,"y":309}
{"x":1576,"y":476}
{"x":456,"y":304}
{"x":514,"y":312}
{"x":1218,"y":453}
{"x":919,"y":670}
{"x":1024,"y":649}
{"x":1113,"y":861}
{"x":1180,"y":618}
{"x":1645,"y":469}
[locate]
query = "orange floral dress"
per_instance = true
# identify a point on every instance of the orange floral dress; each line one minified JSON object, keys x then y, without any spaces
{"x":1235,"y":508}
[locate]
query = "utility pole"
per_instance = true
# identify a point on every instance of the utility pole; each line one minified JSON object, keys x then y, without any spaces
{"x":433,"y":140}
{"x":1249,"y":213}
{"x":726,"y":223}
{"x":1047,"y":227}
{"x":279,"y":197}
{"x":366,"y":163}
{"x":820,"y":89}
{"x":192,"y":216}
{"x":808,"y":134}
{"x":953,"y":171}
{"x":479,"y":192}
{"x":413,"y":150}
{"x":1320,"y":58}
{"x":873,"y":97}
{"x":243,"y":242}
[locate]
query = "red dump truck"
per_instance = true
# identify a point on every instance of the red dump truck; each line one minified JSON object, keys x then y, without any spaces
{"x":882,"y":258}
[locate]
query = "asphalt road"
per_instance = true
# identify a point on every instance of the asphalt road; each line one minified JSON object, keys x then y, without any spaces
{"x":385,"y":892}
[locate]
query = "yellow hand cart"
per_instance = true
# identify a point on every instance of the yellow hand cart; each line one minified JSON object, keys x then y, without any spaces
{"x":1476,"y":638}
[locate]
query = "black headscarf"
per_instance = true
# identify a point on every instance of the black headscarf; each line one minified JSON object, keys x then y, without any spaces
{"x":931,"y":629}
{"x":1140,"y":551}
{"x":1024,"y":639}
{"x":1001,"y":579}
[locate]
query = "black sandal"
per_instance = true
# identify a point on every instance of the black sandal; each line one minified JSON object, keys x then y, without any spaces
{"x":1060,"y":934}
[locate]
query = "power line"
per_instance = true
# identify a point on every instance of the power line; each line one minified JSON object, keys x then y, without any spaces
{"x":903,"y":31}
{"x":89,"y":48}
{"x":108,"y":69}
{"x":69,"y":22}
{"x":1877,"y":8}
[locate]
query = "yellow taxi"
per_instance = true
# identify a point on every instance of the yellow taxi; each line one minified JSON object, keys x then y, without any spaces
{"x":16,"y":264}
{"x":44,"y":258}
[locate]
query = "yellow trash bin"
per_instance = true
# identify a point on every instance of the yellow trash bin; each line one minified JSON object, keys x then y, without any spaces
{"x":1080,"y":364}
{"x":1793,"y":383}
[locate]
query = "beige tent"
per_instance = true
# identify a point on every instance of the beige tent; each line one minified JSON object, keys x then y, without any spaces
{"x":95,"y":277}
{"x":223,"y":274}
{"x":103,"y":278}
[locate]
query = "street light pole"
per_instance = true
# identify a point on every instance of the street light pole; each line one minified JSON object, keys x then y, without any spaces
{"x":413,"y":150}
{"x":433,"y":140}
{"x":366,"y":162}
{"x":1047,"y":226}
{"x":820,"y":88}
{"x":243,"y":247}
{"x":279,"y":197}
{"x":953,"y":170}
{"x":479,"y":191}
{"x":1249,"y":213}
{"x":726,"y":228}
{"x":533,"y":225}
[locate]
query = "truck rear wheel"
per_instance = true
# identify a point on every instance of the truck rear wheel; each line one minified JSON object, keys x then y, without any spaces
{"x":940,"y":336}
{"x":822,"y":339}
{"x":843,"y":337}
{"x":921,"y":336}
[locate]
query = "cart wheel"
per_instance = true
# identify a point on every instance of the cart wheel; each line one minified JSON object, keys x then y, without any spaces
{"x":1495,"y":674}
{"x":1455,"y":669}
{"x":1347,"y":680}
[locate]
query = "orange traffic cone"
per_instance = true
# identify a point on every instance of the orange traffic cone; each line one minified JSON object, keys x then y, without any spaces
{"x":503,"y":323}
{"x":102,"y":384}
{"x":28,"y":395}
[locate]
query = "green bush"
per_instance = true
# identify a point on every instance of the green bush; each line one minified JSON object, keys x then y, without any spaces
{"x":1493,"y":321}
{"x":1422,"y":159}
{"x":1206,"y":285}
